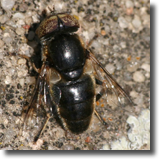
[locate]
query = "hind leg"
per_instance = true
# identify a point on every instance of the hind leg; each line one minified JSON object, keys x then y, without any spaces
{"x":98,"y":97}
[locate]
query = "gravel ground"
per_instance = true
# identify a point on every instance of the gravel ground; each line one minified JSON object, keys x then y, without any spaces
{"x":123,"y":48}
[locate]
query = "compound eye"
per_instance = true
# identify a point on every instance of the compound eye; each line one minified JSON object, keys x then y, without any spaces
{"x":69,"y":21}
{"x":47,"y":26}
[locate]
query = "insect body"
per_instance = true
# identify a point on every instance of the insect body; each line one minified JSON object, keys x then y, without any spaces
{"x":76,"y":87}
{"x":67,"y":80}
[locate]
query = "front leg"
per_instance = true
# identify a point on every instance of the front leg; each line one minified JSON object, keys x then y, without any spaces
{"x":29,"y":59}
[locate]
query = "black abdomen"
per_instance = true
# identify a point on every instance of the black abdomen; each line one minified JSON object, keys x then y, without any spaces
{"x":77,"y":103}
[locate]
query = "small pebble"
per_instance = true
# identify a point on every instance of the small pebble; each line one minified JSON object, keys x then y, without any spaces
{"x":21,"y":61}
{"x":103,"y":32}
{"x":123,"y":44}
{"x":20,"y":23}
{"x":133,"y":94}
{"x":35,"y":18}
{"x":127,"y":76}
{"x":136,"y":22}
{"x":1,"y":55}
{"x":68,"y":147}
{"x":18,"y":16}
{"x":106,"y":147}
{"x":133,"y":67}
{"x":4,"y":18}
{"x":116,"y":48}
{"x":20,"y":31}
{"x":7,"y":4}
{"x":119,"y":66}
{"x":122,"y":22}
{"x":23,"y":7}
{"x":1,"y":11}
{"x":110,"y":68}
{"x":28,"y":20}
{"x":1,"y":43}
{"x":146,"y":67}
{"x":12,"y":71}
{"x":7,"y":40}
{"x":21,"y":81}
{"x":129,"y":4}
{"x":8,"y":80}
{"x":23,"y":148}
{"x":11,"y":23}
{"x":9,"y":134}
{"x":22,"y":73}
{"x":129,"y":11}
{"x":138,"y":77}
{"x":1,"y":111}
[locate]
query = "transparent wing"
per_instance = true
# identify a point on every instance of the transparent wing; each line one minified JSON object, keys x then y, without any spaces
{"x":113,"y":92}
{"x":34,"y":115}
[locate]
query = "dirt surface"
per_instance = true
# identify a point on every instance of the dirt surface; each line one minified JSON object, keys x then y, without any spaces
{"x":123,"y":47}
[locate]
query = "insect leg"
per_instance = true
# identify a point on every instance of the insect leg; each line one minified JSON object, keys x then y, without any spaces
{"x":100,"y":118}
{"x":91,"y":41}
{"x":29,"y":59}
{"x":42,"y":129}
{"x":100,"y":94}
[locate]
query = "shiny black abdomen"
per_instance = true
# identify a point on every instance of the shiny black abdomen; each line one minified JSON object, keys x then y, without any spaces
{"x":77,"y":103}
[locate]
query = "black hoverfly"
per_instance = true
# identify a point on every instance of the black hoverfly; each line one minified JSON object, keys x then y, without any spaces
{"x":67,"y":79}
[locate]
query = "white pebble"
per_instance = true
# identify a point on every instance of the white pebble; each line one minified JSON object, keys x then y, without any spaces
{"x":110,"y":68}
{"x":8,"y":80}
{"x":1,"y":111}
{"x":1,"y":43}
{"x":7,"y":4}
{"x":59,"y":6}
{"x":22,"y":73}
{"x":18,"y":16}
{"x":1,"y":12}
{"x":146,"y":67}
{"x":119,"y":66}
{"x":11,"y":23}
{"x":68,"y":147}
{"x":4,"y":19}
{"x":138,"y":77}
{"x":20,"y":31}
{"x":106,"y":147}
{"x":136,"y":22}
{"x":35,"y":18}
{"x":129,"y":4}
{"x":1,"y":54}
{"x":147,"y":75}
{"x":120,"y":144}
{"x":122,"y":22}
{"x":20,"y":23}
{"x":25,"y":50}
{"x":12,"y":71}
{"x":21,"y":81}
{"x":21,"y":61}
{"x":7,"y":40}
{"x":133,"y":94}
{"x":133,"y":67}
{"x":28,"y":20}
{"x":123,"y":44}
